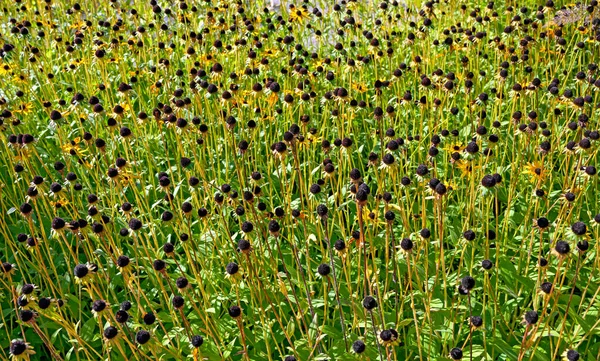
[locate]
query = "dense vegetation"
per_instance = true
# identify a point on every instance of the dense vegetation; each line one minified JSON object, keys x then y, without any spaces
{"x":356,"y":180}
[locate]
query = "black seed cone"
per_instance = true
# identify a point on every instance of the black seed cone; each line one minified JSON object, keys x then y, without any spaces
{"x":324,"y":269}
{"x":197,"y":341}
{"x":456,"y":353}
{"x":531,"y":317}
{"x":142,"y":337}
{"x":369,"y":303}
{"x":467,"y":283}
{"x":359,"y":346}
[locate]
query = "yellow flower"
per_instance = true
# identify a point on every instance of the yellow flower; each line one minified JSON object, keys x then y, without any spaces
{"x":73,"y":147}
{"x":78,"y":62}
{"x":4,"y":68}
{"x":391,"y":338}
{"x":8,"y":271}
{"x":127,"y":177}
{"x":125,"y":107}
{"x":84,"y":162}
{"x":22,"y":156}
{"x":352,"y":5}
{"x":298,"y":14}
{"x":272,"y":99}
{"x":454,"y":147}
{"x":313,"y":138}
{"x":535,"y":171}
{"x":320,"y":63}
{"x":76,"y":25}
{"x":360,"y":87}
{"x":23,"y":108}
{"x":372,"y":217}
{"x":20,"y":78}
{"x":183,"y":19}
{"x":466,"y":168}
{"x":271,"y":52}
{"x":60,"y":203}
{"x":154,"y":89}
{"x":20,"y":354}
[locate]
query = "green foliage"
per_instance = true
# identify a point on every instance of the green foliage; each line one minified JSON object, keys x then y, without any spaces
{"x":164,"y":163}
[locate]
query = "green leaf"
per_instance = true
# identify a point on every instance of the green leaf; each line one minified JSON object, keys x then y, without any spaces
{"x":504,"y":348}
{"x":87,"y":331}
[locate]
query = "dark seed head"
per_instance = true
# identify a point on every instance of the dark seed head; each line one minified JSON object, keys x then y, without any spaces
{"x":166,"y":216}
{"x":135,"y":224}
{"x":406,"y":244}
{"x":178,"y":302}
{"x":17,"y":347}
{"x":123,"y":261}
{"x":355,"y":174}
{"x":390,"y":216}
{"x":469,"y":235}
{"x":55,"y":187}
{"x":476,"y":321}
{"x":441,"y":189}
{"x":7,"y":267}
{"x":232,"y":268}
{"x":456,"y":353}
{"x":583,"y":245}
{"x":197,"y":341}
{"x":531,"y":317}
{"x":487,"y":264}
{"x":468,"y":283}
{"x":158,"y":265}
{"x":235,"y":311}
{"x":55,"y":115}
{"x":369,"y":303}
{"x":99,"y":305}
{"x":26,"y":208}
{"x":315,"y":189}
{"x":324,"y":269}
{"x":22,"y":301}
{"x":26,"y":315}
{"x":110,"y":332}
{"x":121,"y":316}
{"x":359,"y":346}
{"x":579,"y":228}
{"x":142,"y":337}
{"x":81,"y":271}
{"x":274,"y":227}
{"x":387,"y":197}
{"x":186,"y":207}
{"x":243,"y":245}
{"x":322,"y":210}
{"x":422,"y":170}
{"x":562,"y":248}
{"x":149,"y":318}
{"x":58,"y":223}
{"x":168,"y":248}
{"x":572,"y":355}
{"x":488,"y":181}
{"x":546,"y":287}
{"x":386,"y":335}
{"x":44,"y":303}
{"x":543,"y":222}
{"x":472,"y":148}
{"x":125,"y":305}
